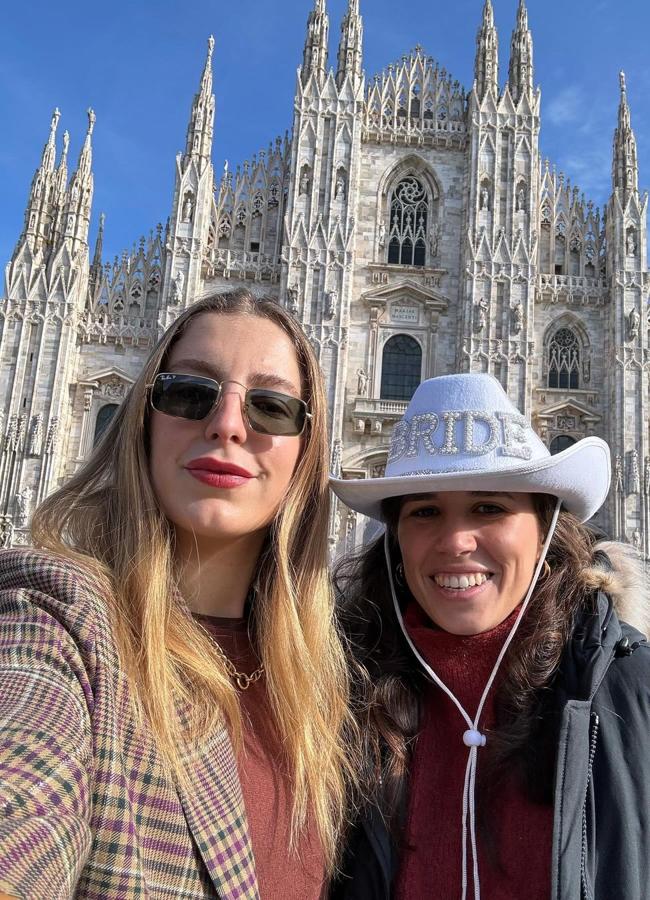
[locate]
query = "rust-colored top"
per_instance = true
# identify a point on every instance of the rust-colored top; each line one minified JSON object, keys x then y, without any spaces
{"x":262,"y":772}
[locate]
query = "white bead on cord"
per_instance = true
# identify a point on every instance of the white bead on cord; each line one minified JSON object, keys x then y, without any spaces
{"x":472,"y":737}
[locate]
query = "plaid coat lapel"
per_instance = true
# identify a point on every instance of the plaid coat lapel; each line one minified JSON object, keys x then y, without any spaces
{"x":214,"y":809}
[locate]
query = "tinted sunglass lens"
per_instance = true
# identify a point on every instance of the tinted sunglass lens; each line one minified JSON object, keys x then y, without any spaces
{"x":183,"y":398}
{"x":270,"y":412}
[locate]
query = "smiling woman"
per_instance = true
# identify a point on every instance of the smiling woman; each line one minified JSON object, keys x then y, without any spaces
{"x":502,"y":690}
{"x":183,"y":726}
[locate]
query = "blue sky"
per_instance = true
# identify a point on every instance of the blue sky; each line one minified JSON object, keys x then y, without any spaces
{"x":139,"y":64}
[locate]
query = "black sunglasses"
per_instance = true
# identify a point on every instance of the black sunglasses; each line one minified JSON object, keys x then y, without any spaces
{"x":195,"y":397}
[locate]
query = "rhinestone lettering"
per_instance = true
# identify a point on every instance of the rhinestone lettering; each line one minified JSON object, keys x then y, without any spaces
{"x":471,"y":417}
{"x":423,"y":427}
{"x":449,"y":447}
{"x":515,"y":429}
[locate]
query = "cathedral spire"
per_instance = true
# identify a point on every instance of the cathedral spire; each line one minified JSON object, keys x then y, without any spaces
{"x":96,"y":269}
{"x":200,"y":129}
{"x":40,"y":209}
{"x":99,"y":244}
{"x":49,"y":151}
{"x":625,"y":169}
{"x":314,"y":58}
{"x":350,"y":45}
{"x":520,"y":78}
{"x":486,"y":67}
{"x":84,"y":166}
{"x":79,"y":198}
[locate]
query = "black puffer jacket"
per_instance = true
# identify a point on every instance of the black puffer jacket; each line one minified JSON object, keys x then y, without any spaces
{"x":601,"y":831}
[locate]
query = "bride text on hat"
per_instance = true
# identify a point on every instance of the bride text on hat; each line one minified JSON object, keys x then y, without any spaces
{"x":480,"y":433}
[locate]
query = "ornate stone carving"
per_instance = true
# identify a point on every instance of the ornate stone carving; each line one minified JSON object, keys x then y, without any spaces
{"x":113,"y":388}
{"x":634,"y":483}
{"x":292,"y":298}
{"x":337,"y":456}
{"x":517,"y":318}
{"x":23,"y":506}
{"x":52,"y":435}
{"x":36,"y":435}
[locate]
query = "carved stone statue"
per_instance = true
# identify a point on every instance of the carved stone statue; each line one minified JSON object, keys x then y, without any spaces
{"x":517,"y":317}
{"x":521,"y":200}
{"x":177,"y":287}
{"x":618,"y":475}
{"x":188,"y":208}
{"x":633,"y":321}
{"x":292,"y":295}
{"x":382,"y":235}
{"x":362,"y":382}
{"x":6,"y":531}
{"x":630,"y":244}
{"x":480,"y":315}
{"x":332,"y":303}
{"x":23,"y":505}
{"x":636,"y":539}
{"x":339,"y":190}
{"x":485,"y":198}
{"x":304,"y":182}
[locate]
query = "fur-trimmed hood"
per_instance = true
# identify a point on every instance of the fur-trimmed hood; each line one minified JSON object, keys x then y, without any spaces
{"x":626,"y":583}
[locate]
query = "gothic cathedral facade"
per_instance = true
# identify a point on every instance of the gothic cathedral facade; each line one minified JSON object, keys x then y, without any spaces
{"x":408,"y":224}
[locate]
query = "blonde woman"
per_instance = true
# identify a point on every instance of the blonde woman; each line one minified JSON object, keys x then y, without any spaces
{"x":173,"y":694}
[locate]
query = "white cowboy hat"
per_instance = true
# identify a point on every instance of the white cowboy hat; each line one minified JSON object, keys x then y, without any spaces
{"x":463,"y":433}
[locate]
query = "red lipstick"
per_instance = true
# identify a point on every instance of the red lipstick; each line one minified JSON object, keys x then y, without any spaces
{"x":218,"y":474}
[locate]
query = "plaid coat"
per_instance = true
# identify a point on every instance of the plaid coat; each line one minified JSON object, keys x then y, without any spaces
{"x":86,"y":809}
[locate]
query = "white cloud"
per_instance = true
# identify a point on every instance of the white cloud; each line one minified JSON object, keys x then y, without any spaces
{"x":567,"y":106}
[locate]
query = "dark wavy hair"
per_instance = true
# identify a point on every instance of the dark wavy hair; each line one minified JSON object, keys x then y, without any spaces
{"x":390,"y":681}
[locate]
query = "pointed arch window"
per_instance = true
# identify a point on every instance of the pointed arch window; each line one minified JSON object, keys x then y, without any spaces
{"x":401,"y":369}
{"x":564,"y":360}
{"x":409,"y":213}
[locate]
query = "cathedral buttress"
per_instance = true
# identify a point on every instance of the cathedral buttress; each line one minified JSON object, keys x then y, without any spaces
{"x":319,"y":229}
{"x":48,"y":284}
{"x":193,"y":205}
{"x":501,"y":238}
{"x":628,"y":383}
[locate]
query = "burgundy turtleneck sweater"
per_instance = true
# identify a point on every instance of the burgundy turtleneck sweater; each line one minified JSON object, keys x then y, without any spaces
{"x":520,"y":863}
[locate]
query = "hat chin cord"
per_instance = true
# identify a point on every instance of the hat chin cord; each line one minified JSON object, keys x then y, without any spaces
{"x":472,"y":737}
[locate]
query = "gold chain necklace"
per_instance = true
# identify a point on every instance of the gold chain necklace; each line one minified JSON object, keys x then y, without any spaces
{"x":242,"y":680}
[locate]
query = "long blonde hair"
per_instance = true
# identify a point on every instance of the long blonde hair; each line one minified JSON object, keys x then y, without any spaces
{"x":107,"y":516}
